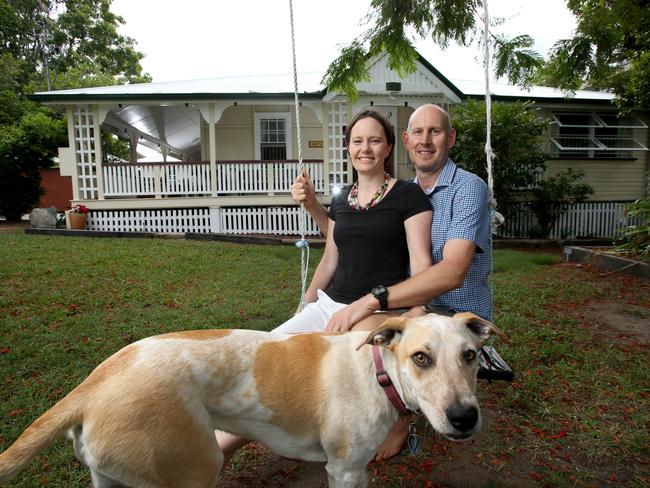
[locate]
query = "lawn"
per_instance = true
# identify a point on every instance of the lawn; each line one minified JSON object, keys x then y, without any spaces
{"x":576,"y":415}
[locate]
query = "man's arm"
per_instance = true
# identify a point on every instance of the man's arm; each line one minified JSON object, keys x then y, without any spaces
{"x":303,"y":193}
{"x":444,"y":276}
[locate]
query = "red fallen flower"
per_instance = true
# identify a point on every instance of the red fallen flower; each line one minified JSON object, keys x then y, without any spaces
{"x":427,"y":466}
{"x":559,"y":435}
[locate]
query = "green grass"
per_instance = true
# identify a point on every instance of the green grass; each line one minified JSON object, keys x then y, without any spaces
{"x":68,"y":303}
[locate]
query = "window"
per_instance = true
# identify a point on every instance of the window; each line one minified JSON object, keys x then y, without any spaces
{"x":595,"y":135}
{"x":272,"y":136}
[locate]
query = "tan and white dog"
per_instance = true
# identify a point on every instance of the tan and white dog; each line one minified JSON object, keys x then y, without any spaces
{"x":146,"y":416}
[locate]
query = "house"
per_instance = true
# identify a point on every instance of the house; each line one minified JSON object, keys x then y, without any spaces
{"x":226,"y":149}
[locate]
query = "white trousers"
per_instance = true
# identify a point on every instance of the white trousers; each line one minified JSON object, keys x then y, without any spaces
{"x":312,"y":318}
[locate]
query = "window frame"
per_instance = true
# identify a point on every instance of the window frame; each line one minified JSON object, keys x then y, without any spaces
{"x":597,"y":146}
{"x":288,"y":134}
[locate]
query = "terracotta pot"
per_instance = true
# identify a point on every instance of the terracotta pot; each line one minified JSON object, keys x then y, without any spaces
{"x":77,"y":220}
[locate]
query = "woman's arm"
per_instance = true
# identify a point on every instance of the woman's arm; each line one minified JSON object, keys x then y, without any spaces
{"x":418,"y":239}
{"x":326,"y":267}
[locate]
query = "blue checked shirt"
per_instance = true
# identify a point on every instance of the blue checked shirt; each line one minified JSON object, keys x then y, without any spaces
{"x":461,"y":210}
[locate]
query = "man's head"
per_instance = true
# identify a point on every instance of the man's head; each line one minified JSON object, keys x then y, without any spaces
{"x":428,"y":138}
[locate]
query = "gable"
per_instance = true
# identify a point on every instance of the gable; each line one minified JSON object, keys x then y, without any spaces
{"x":425,"y":80}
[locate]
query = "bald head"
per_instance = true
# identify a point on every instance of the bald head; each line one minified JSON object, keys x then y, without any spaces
{"x":427,"y":108}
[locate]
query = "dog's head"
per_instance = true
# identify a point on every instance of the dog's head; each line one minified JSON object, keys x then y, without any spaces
{"x":437,"y":361}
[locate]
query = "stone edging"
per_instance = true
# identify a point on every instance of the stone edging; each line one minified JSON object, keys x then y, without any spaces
{"x":607,"y":262}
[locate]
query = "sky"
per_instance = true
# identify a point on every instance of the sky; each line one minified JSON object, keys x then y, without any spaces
{"x":195,"y":39}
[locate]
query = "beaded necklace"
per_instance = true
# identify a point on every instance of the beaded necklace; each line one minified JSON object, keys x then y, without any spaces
{"x":353,"y":197}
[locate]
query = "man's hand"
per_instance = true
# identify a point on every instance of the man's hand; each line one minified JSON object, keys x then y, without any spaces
{"x":413,"y":312}
{"x":302,"y":190}
{"x":344,"y":319}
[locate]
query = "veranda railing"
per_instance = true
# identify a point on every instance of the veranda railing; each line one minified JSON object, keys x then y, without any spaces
{"x":129,"y":180}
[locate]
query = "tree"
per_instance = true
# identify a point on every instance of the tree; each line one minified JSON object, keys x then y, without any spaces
{"x":25,"y":149}
{"x":516,"y":133}
{"x":553,"y":195}
{"x":51,"y":44}
{"x":393,"y":24}
{"x":610,"y":50}
{"x":52,"y":37}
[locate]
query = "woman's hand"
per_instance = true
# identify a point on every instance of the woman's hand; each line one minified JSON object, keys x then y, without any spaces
{"x":347,"y":317}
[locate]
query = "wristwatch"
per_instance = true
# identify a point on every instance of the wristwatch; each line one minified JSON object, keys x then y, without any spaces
{"x":380,"y":292}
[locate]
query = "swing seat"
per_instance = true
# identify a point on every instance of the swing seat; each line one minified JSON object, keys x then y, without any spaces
{"x":492,"y":366}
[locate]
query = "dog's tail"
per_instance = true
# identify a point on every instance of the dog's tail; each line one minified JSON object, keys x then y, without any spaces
{"x":42,"y":433}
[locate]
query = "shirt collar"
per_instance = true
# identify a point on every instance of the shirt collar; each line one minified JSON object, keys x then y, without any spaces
{"x":444,"y":179}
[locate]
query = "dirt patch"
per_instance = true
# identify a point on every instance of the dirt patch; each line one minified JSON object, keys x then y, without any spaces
{"x":622,"y":320}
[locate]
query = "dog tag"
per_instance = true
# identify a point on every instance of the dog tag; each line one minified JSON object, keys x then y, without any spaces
{"x":413,"y":440}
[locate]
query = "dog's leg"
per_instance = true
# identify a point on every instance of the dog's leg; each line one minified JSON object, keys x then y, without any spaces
{"x":101,"y":481}
{"x":342,"y":475}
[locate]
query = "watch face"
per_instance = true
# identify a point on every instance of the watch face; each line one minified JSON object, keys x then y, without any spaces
{"x":378,"y":290}
{"x":381,"y":293}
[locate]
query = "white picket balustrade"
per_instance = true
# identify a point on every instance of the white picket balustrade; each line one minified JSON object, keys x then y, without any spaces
{"x":189,"y":179}
{"x":589,"y":219}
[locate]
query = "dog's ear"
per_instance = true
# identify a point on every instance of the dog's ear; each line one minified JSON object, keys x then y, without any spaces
{"x":480,"y":327}
{"x":385,"y":334}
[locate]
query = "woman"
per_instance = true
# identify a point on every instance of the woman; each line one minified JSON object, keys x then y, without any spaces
{"x":378,"y":229}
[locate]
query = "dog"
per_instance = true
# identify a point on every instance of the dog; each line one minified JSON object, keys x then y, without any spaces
{"x":146,"y":416}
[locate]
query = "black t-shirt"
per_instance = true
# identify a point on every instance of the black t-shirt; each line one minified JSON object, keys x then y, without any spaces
{"x":372,"y":243}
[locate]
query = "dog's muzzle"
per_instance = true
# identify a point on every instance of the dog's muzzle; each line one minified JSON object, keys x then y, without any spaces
{"x":463,"y":418}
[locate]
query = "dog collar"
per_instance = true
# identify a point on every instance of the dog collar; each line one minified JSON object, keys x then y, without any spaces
{"x":386,"y":383}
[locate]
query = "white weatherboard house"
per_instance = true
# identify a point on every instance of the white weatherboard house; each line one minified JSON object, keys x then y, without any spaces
{"x":227,"y":148}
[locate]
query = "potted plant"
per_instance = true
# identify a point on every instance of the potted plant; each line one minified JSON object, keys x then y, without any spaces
{"x":77,"y":217}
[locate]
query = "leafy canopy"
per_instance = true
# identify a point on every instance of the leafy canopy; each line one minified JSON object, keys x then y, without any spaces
{"x":610,"y":50}
{"x":393,"y":25}
{"x":56,"y":37}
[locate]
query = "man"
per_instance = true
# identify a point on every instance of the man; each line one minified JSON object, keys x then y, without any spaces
{"x":460,"y":232}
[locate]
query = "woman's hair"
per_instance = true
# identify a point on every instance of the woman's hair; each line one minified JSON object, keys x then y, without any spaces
{"x":388,"y":132}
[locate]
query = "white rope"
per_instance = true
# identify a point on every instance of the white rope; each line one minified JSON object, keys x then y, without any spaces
{"x":302,"y":244}
{"x":489,"y":153}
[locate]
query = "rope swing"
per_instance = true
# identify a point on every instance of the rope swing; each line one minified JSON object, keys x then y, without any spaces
{"x":496,"y":218}
{"x":302,"y":244}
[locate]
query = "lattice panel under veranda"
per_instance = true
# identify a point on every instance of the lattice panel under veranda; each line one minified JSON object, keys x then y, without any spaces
{"x":264,"y":220}
{"x":164,"y":221}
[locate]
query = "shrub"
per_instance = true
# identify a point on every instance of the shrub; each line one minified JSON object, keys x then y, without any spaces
{"x":636,"y":238}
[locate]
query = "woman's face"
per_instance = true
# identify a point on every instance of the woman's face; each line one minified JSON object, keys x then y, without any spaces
{"x":368,"y":146}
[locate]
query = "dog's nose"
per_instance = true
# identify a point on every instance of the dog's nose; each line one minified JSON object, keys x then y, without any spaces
{"x":462,"y":417}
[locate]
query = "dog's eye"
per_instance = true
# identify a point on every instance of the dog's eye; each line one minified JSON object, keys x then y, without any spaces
{"x":421,"y":359}
{"x":469,"y":355}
